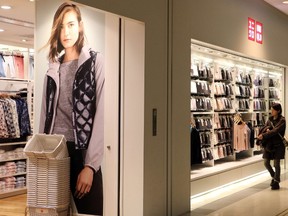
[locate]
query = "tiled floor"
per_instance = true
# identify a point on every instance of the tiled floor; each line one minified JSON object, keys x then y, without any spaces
{"x":250,"y":197}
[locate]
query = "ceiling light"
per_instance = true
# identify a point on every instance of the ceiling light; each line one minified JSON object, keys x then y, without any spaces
{"x":285,"y":2}
{"x":1,"y":30}
{"x":24,"y":40}
{"x":6,"y":7}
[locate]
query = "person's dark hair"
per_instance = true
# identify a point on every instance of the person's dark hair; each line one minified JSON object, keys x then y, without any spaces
{"x":54,"y":41}
{"x":277,"y":107}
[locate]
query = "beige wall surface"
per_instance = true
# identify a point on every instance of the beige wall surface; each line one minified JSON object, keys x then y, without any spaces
{"x":219,"y":22}
{"x":225,"y":23}
{"x":154,"y":14}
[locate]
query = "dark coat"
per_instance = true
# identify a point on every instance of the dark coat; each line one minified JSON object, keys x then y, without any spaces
{"x":272,"y":142}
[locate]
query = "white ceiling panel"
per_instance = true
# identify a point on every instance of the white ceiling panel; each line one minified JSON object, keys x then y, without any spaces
{"x":18,"y":22}
{"x":279,"y":5}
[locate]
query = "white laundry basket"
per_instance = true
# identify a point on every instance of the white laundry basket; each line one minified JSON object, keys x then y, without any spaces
{"x":48,"y":176}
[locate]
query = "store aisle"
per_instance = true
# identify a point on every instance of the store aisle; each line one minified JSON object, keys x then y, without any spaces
{"x":251,"y":197}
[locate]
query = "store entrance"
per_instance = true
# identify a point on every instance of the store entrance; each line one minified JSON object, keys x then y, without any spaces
{"x":231,"y":99}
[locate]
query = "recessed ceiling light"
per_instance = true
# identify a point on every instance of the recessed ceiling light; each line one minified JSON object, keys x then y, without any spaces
{"x":285,"y":2}
{"x":6,"y":7}
{"x":1,"y":30}
{"x":24,"y":40}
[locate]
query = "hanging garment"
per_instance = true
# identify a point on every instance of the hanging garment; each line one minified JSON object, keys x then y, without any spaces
{"x":8,"y":118}
{"x":252,"y":135}
{"x":14,"y":117}
{"x":241,"y":137}
{"x":196,"y":154}
{"x":3,"y":126}
{"x":9,"y":66}
{"x":19,"y":66}
{"x":2,"y":71}
{"x":23,"y":116}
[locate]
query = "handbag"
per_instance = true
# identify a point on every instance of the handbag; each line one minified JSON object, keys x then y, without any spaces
{"x":285,"y":141}
{"x":284,"y":138}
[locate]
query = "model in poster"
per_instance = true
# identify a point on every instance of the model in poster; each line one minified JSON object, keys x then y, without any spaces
{"x":73,"y":105}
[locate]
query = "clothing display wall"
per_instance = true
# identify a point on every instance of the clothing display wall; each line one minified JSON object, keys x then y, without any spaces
{"x":224,"y":85}
{"x":15,"y":128}
{"x":14,"y":117}
{"x":11,"y":64}
{"x":16,"y":62}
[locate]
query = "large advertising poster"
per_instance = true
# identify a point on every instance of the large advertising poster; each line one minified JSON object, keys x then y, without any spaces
{"x":106,"y":133}
{"x":70,"y":70}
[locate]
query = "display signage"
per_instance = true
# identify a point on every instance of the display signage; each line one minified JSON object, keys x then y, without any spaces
{"x":255,"y":30}
{"x":259,"y":32}
{"x":251,"y":29}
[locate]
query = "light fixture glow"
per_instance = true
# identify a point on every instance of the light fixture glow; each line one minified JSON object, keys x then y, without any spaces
{"x":1,"y":30}
{"x":285,"y":2}
{"x":5,"y":7}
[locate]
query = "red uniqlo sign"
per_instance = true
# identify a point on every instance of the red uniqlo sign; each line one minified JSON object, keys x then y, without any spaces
{"x":255,"y":30}
{"x":251,"y":29}
{"x":259,"y":32}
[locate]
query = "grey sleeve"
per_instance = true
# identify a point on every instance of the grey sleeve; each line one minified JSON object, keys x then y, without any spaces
{"x":94,"y":154}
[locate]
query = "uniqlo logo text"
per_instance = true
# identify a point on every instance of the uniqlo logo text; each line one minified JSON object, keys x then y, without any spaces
{"x":255,"y":30}
{"x":251,"y":29}
{"x":259,"y":32}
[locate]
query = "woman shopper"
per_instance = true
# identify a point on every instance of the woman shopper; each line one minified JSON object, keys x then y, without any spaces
{"x":273,"y":146}
{"x":73,"y":105}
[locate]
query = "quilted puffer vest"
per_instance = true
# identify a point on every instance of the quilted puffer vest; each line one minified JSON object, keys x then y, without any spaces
{"x":84,"y":102}
{"x":83,"y":99}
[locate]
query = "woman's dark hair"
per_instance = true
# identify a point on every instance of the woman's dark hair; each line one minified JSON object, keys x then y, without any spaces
{"x":277,"y":107}
{"x":54,"y":42}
